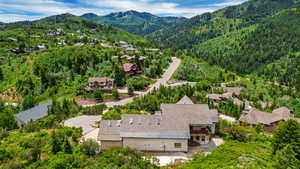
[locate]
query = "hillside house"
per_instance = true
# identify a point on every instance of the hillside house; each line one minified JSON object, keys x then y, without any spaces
{"x":253,"y":117}
{"x":35,"y":113}
{"x":100,"y":83}
{"x":127,"y":57}
{"x":131,"y":49}
{"x":130,"y":69}
{"x":174,"y":128}
{"x":232,"y":93}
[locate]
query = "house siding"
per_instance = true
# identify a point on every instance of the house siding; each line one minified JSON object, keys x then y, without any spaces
{"x":109,"y":144}
{"x":145,"y":144}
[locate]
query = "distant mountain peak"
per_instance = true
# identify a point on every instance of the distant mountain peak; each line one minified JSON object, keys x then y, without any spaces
{"x":89,"y":16}
{"x":131,"y":12}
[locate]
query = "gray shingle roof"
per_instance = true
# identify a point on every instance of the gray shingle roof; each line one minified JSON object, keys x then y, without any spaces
{"x":254,"y":116}
{"x":173,"y":122}
{"x":35,"y":113}
{"x":185,"y":100}
{"x":109,"y":130}
{"x":283,"y":112}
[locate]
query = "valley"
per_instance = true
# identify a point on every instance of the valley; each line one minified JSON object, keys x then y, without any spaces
{"x":136,"y":90}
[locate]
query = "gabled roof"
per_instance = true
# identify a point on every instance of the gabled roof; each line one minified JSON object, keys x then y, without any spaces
{"x":254,"y":116}
{"x":189,"y":114}
{"x":283,"y":112}
{"x":233,"y":90}
{"x":100,"y":80}
{"x":110,"y":130}
{"x":129,"y":67}
{"x":185,"y":100}
{"x":214,"y":97}
{"x":173,"y":122}
{"x":34,"y":113}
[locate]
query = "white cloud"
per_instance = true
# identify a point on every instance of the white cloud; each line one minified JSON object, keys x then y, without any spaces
{"x":16,"y":17}
{"x":230,"y":3}
{"x":159,"y":8}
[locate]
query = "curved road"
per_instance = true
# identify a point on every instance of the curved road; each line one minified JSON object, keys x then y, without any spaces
{"x":162,"y":81}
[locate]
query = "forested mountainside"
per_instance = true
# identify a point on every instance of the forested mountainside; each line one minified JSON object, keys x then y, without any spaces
{"x":139,"y":23}
{"x":246,"y":50}
{"x":22,"y":38}
{"x":210,"y":25}
{"x":285,"y":70}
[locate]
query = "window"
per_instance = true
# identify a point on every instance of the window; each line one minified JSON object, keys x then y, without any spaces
{"x":177,"y":145}
{"x":197,"y":137}
{"x":203,"y":138}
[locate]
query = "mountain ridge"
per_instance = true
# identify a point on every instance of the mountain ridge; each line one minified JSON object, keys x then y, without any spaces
{"x":139,"y":23}
{"x":218,"y":23}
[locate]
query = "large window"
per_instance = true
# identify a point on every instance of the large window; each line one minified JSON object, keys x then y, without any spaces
{"x":177,"y":145}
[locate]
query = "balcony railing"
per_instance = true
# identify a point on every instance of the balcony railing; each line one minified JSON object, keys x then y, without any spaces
{"x":199,"y":132}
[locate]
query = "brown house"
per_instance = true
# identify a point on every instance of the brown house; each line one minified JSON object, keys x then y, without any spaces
{"x":130,"y":69}
{"x":253,"y":117}
{"x":102,"y":83}
{"x":172,"y":129}
{"x":232,"y":93}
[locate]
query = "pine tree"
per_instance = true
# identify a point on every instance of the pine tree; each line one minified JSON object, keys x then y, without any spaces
{"x":67,"y":146}
{"x":119,"y":76}
{"x":115,"y":93}
{"x":55,"y":143}
{"x":1,"y":74}
{"x":28,"y":102}
{"x":98,"y":95}
{"x":130,"y":90}
{"x":287,"y":132}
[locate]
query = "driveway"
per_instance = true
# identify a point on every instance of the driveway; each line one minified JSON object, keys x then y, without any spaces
{"x":87,"y":123}
{"x":227,"y":118}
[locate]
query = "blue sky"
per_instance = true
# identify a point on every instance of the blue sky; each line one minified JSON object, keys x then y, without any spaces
{"x":18,"y":10}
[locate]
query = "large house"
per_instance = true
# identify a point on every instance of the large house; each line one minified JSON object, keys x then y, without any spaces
{"x":172,"y":129}
{"x":231,"y":93}
{"x":102,"y":83}
{"x":130,"y":69}
{"x":253,"y":117}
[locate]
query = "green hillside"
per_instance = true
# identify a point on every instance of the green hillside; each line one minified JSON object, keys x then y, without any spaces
{"x":248,"y":49}
{"x":139,"y":23}
{"x":210,"y":25}
{"x":285,"y":70}
{"x":56,"y":55}
{"x":23,"y":38}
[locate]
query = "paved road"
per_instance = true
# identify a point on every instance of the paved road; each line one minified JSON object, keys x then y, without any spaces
{"x":162,"y":81}
{"x":166,"y":76}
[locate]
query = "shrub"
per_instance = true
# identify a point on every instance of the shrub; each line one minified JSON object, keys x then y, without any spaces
{"x":115,"y":93}
{"x":137,"y":83}
{"x":287,"y":132}
{"x":236,"y":133}
{"x":90,"y":148}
